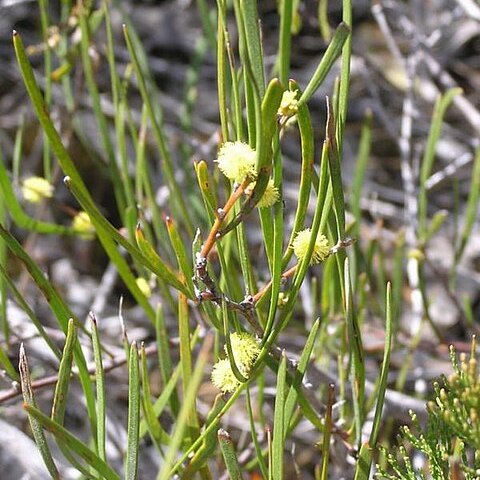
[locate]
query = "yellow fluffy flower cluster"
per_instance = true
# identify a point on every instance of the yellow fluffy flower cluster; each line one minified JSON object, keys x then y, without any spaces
{"x":245,"y":350}
{"x":321,"y":248}
{"x":237,"y":160}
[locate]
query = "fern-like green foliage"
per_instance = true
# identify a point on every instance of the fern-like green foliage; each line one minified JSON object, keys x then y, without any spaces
{"x":450,"y":441}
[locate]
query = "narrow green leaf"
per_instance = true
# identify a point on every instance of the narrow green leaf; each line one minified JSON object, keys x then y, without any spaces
{"x":162,"y":401}
{"x":164,"y":354}
{"x":167,"y":163}
{"x":4,"y":321}
{"x":269,"y":107}
{"x":222,"y":73}
{"x":344,"y":87}
{"x":61,"y":392}
{"x":37,"y":430}
{"x":17,"y":155}
{"x":258,"y":450}
{"x":156,"y":431}
{"x":205,"y":184}
{"x":207,"y":16}
{"x":278,"y":239}
{"x":253,"y":42}
{"x":360,"y":168}
{"x":226,"y":331}
{"x":100,"y":385}
{"x":212,"y":426}
{"x":327,"y":431}
{"x":357,"y":372}
{"x":285,"y":40}
{"x":335,"y":172}
{"x":325,"y":29}
{"x":184,"y":264}
{"x":144,"y":182}
{"x":472,"y":207}
{"x":133,"y":428}
{"x":308,"y":151}
{"x":47,"y":60}
{"x":186,"y":361}
{"x":229,"y":455}
{"x":64,"y":372}
{"x":278,"y":442}
{"x":76,"y":446}
{"x":382,"y":387}
{"x":329,"y":57}
{"x":287,"y":311}
{"x":153,"y":262}
{"x":97,"y":108}
{"x":440,"y":109}
{"x":364,"y":462}
{"x":291,"y":400}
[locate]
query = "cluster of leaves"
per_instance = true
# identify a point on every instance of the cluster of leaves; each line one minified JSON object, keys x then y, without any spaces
{"x":449,"y":445}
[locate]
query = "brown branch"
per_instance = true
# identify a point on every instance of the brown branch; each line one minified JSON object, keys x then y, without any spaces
{"x":288,"y":273}
{"x":220,"y":217}
{"x":109,"y":365}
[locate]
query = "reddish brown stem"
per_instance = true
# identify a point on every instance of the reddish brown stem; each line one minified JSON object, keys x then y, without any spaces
{"x":288,"y":273}
{"x":221,"y":215}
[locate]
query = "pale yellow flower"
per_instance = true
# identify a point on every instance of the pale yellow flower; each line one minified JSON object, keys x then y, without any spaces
{"x":223,"y":377}
{"x":289,"y":104}
{"x":245,"y":350}
{"x":321,"y":248}
{"x":270,"y":196}
{"x":83,"y":225}
{"x":237,"y":160}
{"x":35,"y":189}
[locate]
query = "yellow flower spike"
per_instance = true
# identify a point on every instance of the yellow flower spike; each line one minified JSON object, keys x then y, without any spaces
{"x":35,"y":189}
{"x":321,"y":248}
{"x":245,"y":350}
{"x":236,"y":160}
{"x":83,"y":225}
{"x":144,"y":287}
{"x":223,"y":377}
{"x":289,"y":104}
